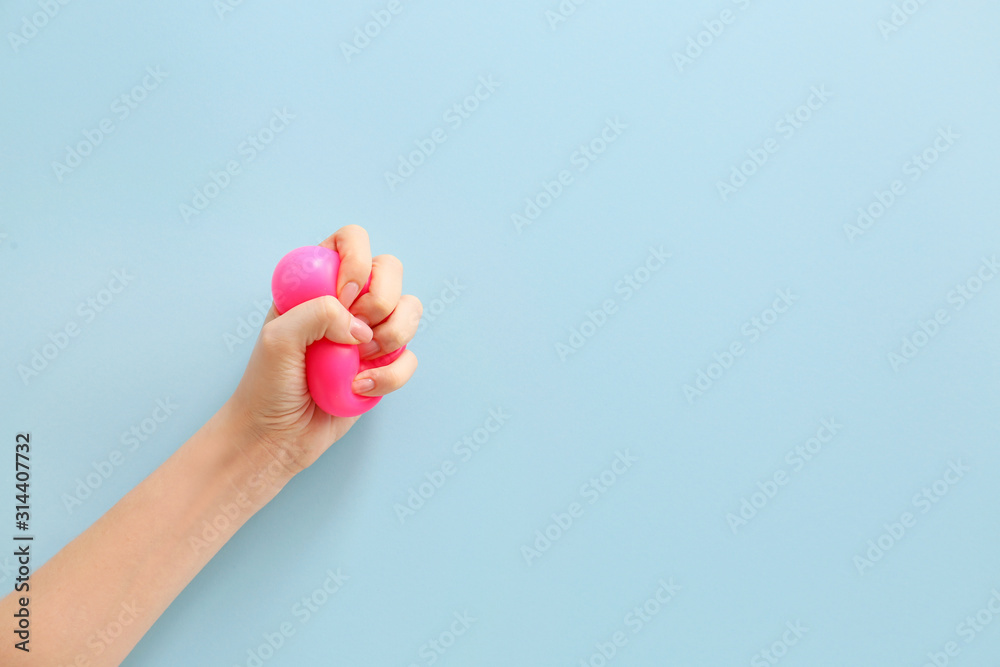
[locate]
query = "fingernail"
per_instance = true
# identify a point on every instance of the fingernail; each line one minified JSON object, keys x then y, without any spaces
{"x":369,"y":349}
{"x":360,"y":330}
{"x":362,"y":385}
{"x":349,"y":294}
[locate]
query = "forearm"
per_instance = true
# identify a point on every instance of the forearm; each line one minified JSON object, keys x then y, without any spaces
{"x":93,"y":601}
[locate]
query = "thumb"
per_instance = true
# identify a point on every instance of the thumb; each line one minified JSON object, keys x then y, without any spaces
{"x":322,"y":317}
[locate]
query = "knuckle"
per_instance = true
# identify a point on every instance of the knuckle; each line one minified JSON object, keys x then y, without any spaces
{"x":380,"y":305}
{"x":389,"y":261}
{"x":394,"y":338}
{"x":270,"y":337}
{"x":324,"y":305}
{"x":329,"y":309}
{"x":414,"y":311}
{"x":390,"y":379}
{"x":355,"y":233}
{"x":418,"y":306}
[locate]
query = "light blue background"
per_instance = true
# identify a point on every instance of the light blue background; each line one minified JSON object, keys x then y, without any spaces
{"x":523,"y":292}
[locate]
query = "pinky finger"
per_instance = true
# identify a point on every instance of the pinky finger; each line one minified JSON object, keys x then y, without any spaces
{"x":386,"y":379}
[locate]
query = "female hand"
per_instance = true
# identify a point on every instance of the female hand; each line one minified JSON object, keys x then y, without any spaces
{"x":272,"y":399}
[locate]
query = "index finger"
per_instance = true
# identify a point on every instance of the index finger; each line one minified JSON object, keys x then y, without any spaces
{"x":352,"y":244}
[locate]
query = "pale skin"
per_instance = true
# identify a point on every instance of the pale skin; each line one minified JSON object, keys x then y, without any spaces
{"x":92,"y":602}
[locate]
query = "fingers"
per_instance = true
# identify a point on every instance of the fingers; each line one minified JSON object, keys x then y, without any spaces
{"x":397,"y":330}
{"x":352,"y":244}
{"x":381,"y":381}
{"x":383,"y":294}
{"x":323,"y":317}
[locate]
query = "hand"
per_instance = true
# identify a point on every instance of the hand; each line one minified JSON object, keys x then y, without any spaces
{"x":272,"y":400}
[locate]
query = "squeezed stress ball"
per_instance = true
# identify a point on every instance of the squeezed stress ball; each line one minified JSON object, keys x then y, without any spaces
{"x":304,"y":274}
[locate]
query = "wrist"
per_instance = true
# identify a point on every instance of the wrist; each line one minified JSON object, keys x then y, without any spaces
{"x":256,"y":470}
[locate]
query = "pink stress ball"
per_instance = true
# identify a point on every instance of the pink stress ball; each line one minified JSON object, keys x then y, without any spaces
{"x":304,"y":274}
